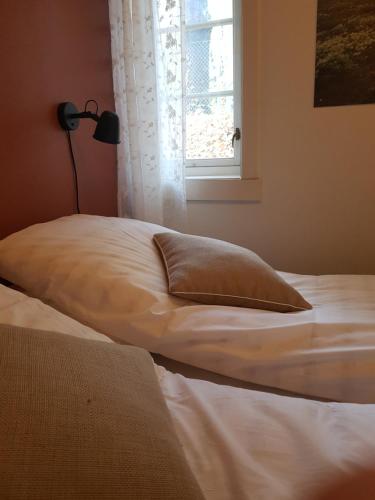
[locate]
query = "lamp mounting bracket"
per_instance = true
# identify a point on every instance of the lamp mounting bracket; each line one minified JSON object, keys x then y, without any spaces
{"x":64,"y":113}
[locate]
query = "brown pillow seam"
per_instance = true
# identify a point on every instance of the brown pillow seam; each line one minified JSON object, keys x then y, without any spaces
{"x":165,"y":263}
{"x":242,"y":297}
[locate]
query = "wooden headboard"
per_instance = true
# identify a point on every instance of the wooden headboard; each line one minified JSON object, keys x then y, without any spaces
{"x":53,"y":52}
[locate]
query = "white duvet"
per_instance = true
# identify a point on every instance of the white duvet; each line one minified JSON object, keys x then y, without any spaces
{"x":107,"y":273}
{"x":241,"y":444}
{"x":18,"y":309}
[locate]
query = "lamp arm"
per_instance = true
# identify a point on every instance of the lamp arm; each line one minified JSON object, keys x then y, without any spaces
{"x":85,"y":114}
{"x":69,"y":116}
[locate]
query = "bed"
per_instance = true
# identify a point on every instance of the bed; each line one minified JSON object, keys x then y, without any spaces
{"x":107,"y":274}
{"x":240,"y":444}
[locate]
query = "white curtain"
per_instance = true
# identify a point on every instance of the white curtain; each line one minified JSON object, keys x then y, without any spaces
{"x":147,"y":74}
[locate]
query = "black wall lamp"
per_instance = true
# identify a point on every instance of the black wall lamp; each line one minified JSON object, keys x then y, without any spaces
{"x":107,"y":129}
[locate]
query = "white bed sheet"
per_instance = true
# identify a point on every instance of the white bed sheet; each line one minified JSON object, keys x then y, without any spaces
{"x":248,"y":445}
{"x":107,"y":273}
{"x":240,"y":444}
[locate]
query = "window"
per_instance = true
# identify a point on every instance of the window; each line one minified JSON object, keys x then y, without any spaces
{"x":212,"y":88}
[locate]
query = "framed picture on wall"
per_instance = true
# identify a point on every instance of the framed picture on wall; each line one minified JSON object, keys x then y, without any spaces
{"x":345,"y":53}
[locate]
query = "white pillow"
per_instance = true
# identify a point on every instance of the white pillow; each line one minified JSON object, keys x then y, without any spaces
{"x":102,"y":271}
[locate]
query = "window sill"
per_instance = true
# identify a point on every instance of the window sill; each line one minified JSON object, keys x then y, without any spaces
{"x":223,"y":189}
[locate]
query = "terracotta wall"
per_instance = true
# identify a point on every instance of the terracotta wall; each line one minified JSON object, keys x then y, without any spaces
{"x":52,"y":51}
{"x":317,"y":212}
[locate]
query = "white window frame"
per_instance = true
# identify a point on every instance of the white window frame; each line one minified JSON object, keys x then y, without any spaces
{"x":247,"y":188}
{"x":220,"y":167}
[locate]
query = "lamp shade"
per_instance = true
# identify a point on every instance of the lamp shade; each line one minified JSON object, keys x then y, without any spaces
{"x":108,"y":128}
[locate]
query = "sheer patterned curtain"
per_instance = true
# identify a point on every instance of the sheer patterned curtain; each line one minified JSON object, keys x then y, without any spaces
{"x":147,"y":74}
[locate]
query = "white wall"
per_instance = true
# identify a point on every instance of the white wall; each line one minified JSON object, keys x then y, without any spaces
{"x":317,"y":213}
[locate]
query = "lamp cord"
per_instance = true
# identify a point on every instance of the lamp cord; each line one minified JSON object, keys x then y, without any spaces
{"x":74,"y":171}
{"x":97,"y":106}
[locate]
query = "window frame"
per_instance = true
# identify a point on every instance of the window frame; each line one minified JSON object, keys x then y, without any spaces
{"x":219,"y":167}
{"x":248,"y":188}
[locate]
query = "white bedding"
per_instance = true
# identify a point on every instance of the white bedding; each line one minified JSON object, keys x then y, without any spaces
{"x":18,"y":309}
{"x":107,"y":273}
{"x":241,"y":444}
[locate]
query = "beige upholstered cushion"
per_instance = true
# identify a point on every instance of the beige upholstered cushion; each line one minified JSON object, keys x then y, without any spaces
{"x":82,"y":419}
{"x":216,"y":272}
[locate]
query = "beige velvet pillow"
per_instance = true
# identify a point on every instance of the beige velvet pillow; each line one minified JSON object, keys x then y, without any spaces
{"x":83,"y":419}
{"x":216,"y":272}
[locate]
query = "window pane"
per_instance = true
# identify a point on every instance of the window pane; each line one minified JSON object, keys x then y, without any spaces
{"x":209,"y":60}
{"x":203,"y":11}
{"x":209,"y":128}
